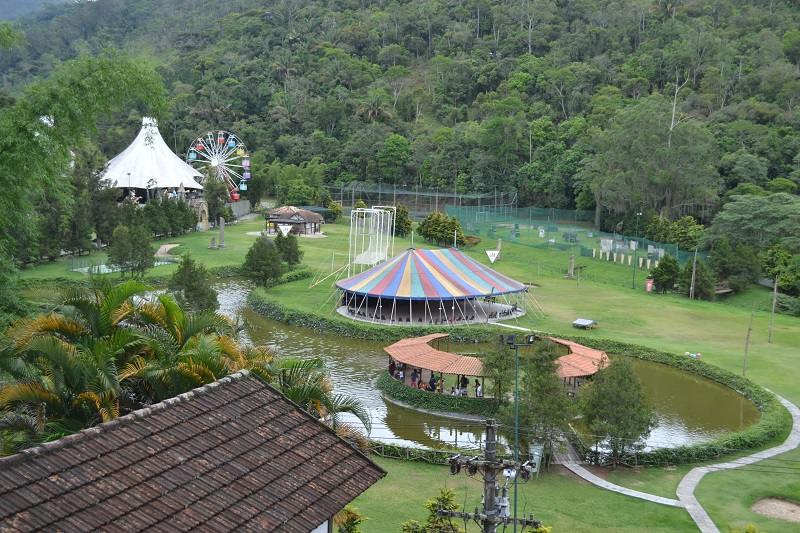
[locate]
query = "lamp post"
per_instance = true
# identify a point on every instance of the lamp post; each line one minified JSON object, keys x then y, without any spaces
{"x":635,"y":251}
{"x":511,"y":340}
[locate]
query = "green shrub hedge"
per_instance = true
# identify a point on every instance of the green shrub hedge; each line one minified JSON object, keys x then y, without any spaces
{"x":434,"y":401}
{"x":260,"y":301}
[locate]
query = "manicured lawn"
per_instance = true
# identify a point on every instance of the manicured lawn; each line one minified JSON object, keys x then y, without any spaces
{"x":560,"y":500}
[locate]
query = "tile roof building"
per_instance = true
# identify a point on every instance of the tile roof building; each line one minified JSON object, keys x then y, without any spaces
{"x":232,"y":455}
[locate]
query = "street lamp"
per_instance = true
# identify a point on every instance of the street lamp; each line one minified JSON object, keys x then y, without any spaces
{"x":511,"y":340}
{"x":635,"y":251}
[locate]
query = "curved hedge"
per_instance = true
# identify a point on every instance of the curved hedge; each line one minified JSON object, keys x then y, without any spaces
{"x":774,"y":421}
{"x":337,"y":325}
{"x":434,"y":401}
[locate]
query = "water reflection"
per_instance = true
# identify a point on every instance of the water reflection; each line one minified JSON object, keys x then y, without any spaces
{"x":689,"y":408}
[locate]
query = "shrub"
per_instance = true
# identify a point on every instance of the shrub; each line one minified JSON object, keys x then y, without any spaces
{"x":402,"y":223}
{"x":439,"y":228}
{"x":288,"y":248}
{"x":665,"y":275}
{"x":263,"y":262}
{"x":191,"y":286}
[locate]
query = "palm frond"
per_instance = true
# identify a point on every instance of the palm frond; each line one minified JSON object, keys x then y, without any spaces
{"x":342,"y":403}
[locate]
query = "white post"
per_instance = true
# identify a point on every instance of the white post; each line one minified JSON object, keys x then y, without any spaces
{"x":772,"y":313}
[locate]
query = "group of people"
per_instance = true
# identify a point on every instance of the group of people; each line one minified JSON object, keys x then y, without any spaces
{"x":434,"y":384}
{"x":462,"y":385}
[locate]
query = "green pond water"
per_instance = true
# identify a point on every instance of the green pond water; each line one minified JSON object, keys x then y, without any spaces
{"x":689,"y":408}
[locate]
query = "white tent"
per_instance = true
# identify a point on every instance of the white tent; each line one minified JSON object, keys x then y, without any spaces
{"x":148,"y":163}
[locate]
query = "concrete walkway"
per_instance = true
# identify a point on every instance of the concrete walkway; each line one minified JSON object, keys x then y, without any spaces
{"x":690,"y":481}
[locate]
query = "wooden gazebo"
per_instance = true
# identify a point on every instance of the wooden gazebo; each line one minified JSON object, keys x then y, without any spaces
{"x":417,"y":353}
{"x":580,"y":363}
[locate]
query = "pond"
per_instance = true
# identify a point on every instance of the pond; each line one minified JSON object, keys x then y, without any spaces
{"x":689,"y":408}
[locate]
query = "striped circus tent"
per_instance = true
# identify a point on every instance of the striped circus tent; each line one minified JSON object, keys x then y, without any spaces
{"x":430,"y":287}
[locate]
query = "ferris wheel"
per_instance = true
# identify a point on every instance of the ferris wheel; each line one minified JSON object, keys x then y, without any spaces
{"x":222,"y":155}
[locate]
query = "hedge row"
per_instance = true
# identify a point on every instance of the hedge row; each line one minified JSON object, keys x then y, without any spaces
{"x":336,"y":325}
{"x":434,"y":401}
{"x":774,"y":422}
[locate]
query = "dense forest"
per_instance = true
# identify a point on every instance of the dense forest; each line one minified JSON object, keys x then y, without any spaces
{"x":672,"y":108}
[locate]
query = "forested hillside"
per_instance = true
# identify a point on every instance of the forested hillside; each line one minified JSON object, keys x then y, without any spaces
{"x":672,"y":108}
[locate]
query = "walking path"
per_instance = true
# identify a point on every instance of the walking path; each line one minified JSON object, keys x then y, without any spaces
{"x":688,"y":484}
{"x":690,"y":481}
{"x":163,"y":250}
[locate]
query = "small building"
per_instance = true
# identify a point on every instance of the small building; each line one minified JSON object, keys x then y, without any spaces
{"x":234,"y":455}
{"x":302,"y":221}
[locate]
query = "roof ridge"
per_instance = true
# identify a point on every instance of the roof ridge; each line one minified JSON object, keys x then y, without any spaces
{"x":130,"y":417}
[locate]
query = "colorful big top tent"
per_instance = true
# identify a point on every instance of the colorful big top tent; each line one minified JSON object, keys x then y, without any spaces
{"x":423,"y":287}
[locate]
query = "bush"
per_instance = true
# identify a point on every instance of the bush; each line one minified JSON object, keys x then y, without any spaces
{"x":191,"y":286}
{"x":402,"y":223}
{"x":434,"y":401}
{"x":263,"y":262}
{"x":288,"y":248}
{"x":665,"y":275}
{"x":439,"y":228}
{"x":131,"y":250}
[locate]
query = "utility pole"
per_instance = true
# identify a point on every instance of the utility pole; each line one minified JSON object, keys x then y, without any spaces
{"x":492,"y":514}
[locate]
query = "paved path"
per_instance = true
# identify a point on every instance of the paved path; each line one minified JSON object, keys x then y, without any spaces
{"x":163,"y":250}
{"x":689,"y":483}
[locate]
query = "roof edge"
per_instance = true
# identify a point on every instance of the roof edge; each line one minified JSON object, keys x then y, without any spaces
{"x":130,"y":417}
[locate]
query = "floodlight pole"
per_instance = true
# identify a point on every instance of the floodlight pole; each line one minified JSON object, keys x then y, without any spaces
{"x":635,"y":250}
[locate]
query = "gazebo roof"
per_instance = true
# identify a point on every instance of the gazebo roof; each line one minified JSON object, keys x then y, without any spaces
{"x":149,"y":163}
{"x":445,"y":274}
{"x":294,"y":215}
{"x":416,"y":352}
{"x":581,"y":361}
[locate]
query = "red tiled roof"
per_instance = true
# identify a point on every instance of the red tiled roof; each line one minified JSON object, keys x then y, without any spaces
{"x":416,"y":352}
{"x":581,"y":361}
{"x":234,"y":455}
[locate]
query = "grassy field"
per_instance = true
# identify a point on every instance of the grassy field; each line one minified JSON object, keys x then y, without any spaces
{"x":668,"y":322}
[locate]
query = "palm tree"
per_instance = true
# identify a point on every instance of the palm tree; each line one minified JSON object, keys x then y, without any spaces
{"x":304,"y":382}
